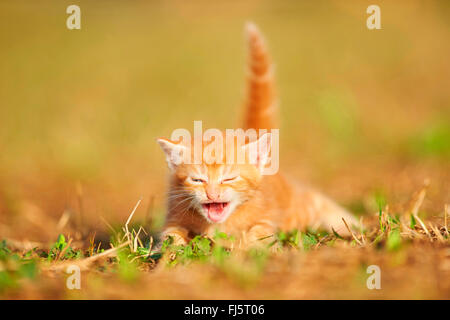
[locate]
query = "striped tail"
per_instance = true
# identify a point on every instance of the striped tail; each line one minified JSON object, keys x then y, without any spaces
{"x":261,"y":108}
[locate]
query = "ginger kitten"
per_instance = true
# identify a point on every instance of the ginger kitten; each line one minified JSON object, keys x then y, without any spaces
{"x":236,"y":198}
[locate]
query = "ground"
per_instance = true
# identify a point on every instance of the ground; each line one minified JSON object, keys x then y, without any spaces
{"x":364,"y":118}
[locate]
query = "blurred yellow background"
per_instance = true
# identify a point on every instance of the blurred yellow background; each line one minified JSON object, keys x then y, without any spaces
{"x":80,"y":110}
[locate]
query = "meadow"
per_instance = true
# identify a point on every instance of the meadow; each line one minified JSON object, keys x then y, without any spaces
{"x":365,"y":118}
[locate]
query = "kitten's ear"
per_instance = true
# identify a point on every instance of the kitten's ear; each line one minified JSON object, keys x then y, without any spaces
{"x":174,"y":152}
{"x":259,"y":150}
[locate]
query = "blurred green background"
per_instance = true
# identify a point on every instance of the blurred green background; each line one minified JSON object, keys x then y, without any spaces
{"x":84,"y":107}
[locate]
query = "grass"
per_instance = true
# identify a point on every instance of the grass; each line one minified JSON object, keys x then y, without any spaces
{"x":15,"y":267}
{"x":363,"y":118}
{"x":135,"y":255}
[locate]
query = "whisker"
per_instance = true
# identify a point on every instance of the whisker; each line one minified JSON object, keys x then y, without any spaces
{"x":182,"y":201}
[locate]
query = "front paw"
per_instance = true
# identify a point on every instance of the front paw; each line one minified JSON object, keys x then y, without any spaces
{"x":261,"y":236}
{"x":175,"y":239}
{"x":171,"y":237}
{"x":176,"y":236}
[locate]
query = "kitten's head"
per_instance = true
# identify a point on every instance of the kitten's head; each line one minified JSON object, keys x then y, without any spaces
{"x":213,"y":189}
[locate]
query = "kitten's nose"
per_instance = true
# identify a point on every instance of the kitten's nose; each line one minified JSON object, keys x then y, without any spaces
{"x":212,"y":192}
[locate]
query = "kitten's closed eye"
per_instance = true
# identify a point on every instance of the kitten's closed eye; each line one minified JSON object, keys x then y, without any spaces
{"x":196,"y":180}
{"x":230,"y":179}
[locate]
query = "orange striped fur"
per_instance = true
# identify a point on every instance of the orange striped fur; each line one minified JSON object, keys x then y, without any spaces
{"x":237,"y":199}
{"x":260,"y":111}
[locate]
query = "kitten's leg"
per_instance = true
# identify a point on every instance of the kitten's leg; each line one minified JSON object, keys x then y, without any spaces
{"x":261,"y":234}
{"x":179,"y":235}
{"x":330,"y":215}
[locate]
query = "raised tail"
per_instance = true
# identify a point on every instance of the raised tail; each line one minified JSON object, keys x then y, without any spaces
{"x":260,"y":105}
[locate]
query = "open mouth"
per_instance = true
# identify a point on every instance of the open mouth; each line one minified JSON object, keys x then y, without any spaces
{"x":215,"y":210}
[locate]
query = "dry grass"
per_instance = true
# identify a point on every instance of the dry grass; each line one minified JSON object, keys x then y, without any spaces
{"x":414,"y":258}
{"x":364,"y":119}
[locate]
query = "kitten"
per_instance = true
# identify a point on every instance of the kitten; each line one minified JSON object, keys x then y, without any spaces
{"x":236,"y":198}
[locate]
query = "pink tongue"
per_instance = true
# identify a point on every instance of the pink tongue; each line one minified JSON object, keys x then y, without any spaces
{"x":215,"y":208}
{"x":215,"y":211}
